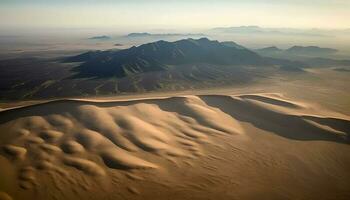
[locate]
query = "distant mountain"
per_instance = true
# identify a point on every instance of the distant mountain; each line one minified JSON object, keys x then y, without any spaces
{"x":144,"y":34}
{"x":273,"y":31}
{"x":310,"y":50}
{"x":138,"y":34}
{"x":295,"y":52}
{"x":162,"y":55}
{"x":239,"y":29}
{"x":102,"y":37}
{"x":271,"y":49}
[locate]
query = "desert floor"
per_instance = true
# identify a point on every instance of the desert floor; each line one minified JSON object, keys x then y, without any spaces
{"x":281,"y":139}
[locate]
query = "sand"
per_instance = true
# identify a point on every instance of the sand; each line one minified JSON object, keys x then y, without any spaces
{"x":251,"y":146}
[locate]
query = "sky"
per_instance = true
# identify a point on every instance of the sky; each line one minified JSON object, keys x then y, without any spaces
{"x":174,"y":14}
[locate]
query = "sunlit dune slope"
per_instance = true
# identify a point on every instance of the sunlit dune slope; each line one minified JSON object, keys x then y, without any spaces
{"x":86,"y":145}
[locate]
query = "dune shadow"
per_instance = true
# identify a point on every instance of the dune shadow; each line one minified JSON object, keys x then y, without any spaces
{"x":285,"y":125}
{"x":270,"y":100}
{"x":67,"y":105}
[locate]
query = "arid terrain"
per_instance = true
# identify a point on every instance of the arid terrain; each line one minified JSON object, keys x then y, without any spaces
{"x":189,"y":123}
{"x":174,"y":100}
{"x":246,"y":146}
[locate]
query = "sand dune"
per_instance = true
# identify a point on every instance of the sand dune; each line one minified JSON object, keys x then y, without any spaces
{"x":204,"y":144}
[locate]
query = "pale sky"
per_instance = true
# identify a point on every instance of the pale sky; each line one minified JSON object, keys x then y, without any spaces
{"x":174,"y":13}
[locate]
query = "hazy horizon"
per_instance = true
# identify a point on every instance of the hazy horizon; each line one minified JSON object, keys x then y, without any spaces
{"x":179,"y":15}
{"x":67,"y":24}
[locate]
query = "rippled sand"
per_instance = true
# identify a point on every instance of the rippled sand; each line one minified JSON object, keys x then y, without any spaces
{"x":256,"y":146}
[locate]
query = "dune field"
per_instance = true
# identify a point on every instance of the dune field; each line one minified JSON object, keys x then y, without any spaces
{"x":251,"y":146}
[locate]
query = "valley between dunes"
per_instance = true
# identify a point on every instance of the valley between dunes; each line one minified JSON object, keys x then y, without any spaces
{"x":252,"y":146}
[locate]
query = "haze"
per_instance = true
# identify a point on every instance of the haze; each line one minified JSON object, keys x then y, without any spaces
{"x":141,"y":14}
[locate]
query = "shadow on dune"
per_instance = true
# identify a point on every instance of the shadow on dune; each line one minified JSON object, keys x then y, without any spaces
{"x":68,"y":106}
{"x":42,"y":109}
{"x":285,"y":125}
{"x":297,"y":127}
{"x":338,"y":124}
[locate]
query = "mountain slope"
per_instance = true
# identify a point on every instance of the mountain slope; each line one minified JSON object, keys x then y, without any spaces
{"x":162,"y":55}
{"x":233,"y":44}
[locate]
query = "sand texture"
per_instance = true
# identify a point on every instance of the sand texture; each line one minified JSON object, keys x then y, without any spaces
{"x":252,"y":146}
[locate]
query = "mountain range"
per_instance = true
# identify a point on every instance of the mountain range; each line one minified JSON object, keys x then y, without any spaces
{"x":256,"y":30}
{"x":145,"y":34}
{"x":311,"y":50}
{"x":157,"y":66}
{"x":296,"y":51}
{"x":100,"y":37}
{"x":162,"y":55}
